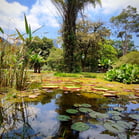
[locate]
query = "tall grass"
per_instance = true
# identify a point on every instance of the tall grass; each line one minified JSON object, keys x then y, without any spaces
{"x":14,"y":59}
{"x":13,"y":65}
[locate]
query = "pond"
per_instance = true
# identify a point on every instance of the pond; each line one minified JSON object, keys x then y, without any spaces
{"x":58,"y":115}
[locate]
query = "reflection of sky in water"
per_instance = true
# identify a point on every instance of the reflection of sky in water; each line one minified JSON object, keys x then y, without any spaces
{"x":132,"y":106}
{"x":43,"y":119}
{"x":129,"y":106}
{"x":95,"y":134}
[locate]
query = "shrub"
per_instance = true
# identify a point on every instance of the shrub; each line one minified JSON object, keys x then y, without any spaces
{"x":126,"y":73}
{"x":130,"y":58}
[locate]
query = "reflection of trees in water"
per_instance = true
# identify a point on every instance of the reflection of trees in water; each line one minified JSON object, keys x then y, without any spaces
{"x":66,"y":101}
{"x":15,"y":120}
{"x":29,"y":120}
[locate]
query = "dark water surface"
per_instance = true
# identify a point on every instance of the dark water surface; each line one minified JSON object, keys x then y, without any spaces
{"x":38,"y":120}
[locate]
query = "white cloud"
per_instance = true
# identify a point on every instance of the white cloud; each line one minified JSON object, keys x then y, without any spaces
{"x":42,"y":12}
{"x":11,"y":9}
{"x":109,"y":6}
{"x":11,"y":15}
{"x":45,"y":12}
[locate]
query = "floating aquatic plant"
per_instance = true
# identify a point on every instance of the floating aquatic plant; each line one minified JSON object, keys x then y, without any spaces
{"x":118,"y":109}
{"x":85,"y":105}
{"x":126,"y":125}
{"x":116,"y":117}
{"x":85,"y":110}
{"x":134,"y":116}
{"x":77,"y":105}
{"x":72,"y":111}
{"x":63,"y":118}
{"x":114,"y":113}
{"x":79,"y":126}
{"x":114,"y":127}
{"x":98,"y":115}
{"x":50,"y":87}
{"x":100,"y":89}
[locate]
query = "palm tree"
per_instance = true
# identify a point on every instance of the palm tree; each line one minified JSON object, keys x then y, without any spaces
{"x":69,"y":10}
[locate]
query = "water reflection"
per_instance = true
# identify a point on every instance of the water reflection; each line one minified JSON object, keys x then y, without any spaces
{"x":37,"y":120}
{"x":25,"y":120}
{"x":45,"y":120}
{"x":95,"y":134}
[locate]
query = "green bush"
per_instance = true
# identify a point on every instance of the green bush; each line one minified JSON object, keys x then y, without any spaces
{"x":130,"y":58}
{"x":126,"y":73}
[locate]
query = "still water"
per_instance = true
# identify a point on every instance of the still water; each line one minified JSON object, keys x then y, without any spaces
{"x":38,"y":120}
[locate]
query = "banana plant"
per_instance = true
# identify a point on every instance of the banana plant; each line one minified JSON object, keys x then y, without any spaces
{"x":37,"y":61}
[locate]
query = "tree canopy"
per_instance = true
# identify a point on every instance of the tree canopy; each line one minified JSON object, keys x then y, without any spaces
{"x":127,"y":24}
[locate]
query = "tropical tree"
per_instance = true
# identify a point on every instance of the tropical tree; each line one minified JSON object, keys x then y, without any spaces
{"x":55,"y":59}
{"x":118,"y":44}
{"x":108,"y":55}
{"x":69,"y":10}
{"x":89,"y":37}
{"x":127,"y":24}
{"x":40,"y":46}
{"x":37,"y":61}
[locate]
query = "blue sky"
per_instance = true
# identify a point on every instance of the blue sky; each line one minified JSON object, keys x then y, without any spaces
{"x":43,"y":12}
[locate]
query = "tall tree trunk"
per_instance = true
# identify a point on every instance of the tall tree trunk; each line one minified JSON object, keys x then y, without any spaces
{"x":69,"y":37}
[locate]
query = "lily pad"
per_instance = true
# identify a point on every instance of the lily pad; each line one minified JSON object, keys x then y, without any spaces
{"x":134,"y":116}
{"x":79,"y":126}
{"x":85,"y":110}
{"x":126,"y":125}
{"x":85,"y":105}
{"x":33,"y":96}
{"x":77,"y":105}
{"x":72,"y":111}
{"x":122,"y":136}
{"x":63,"y":118}
{"x":116,"y":117}
{"x":118,"y":108}
{"x":114,"y":113}
{"x":114,"y":127}
{"x":72,"y":88}
{"x":50,"y":87}
{"x":109,"y":95}
{"x":98,"y":115}
{"x":100,"y":89}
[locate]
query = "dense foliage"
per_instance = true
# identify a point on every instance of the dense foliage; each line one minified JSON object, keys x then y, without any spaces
{"x":131,"y":58}
{"x":91,"y":43}
{"x":39,"y":50}
{"x":126,"y":73}
{"x":55,"y":60}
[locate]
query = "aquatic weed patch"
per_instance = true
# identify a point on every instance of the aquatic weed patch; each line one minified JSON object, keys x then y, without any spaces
{"x":89,"y":85}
